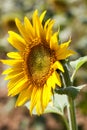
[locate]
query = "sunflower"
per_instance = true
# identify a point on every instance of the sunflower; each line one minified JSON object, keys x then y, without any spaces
{"x":33,"y":74}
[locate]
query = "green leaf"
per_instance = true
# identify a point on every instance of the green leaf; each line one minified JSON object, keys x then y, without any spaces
{"x":70,"y":91}
{"x":77,"y":64}
{"x":57,"y":105}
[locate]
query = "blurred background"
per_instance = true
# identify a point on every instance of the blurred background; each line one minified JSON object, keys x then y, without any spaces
{"x":71,"y":17}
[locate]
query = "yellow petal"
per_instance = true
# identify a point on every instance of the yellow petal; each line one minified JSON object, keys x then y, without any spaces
{"x":16,"y":41}
{"x":22,"y":30}
{"x":13,"y":82}
{"x":58,"y":65}
{"x":65,"y":54}
{"x":39,"y":108}
{"x":14,"y":55}
{"x":50,"y":82}
{"x":54,"y":42}
{"x":42,"y":16}
{"x":9,"y":70}
{"x":37,"y":27}
{"x":14,"y":74}
{"x":46,"y":24}
{"x":65,"y":44}
{"x":35,"y":14}
{"x":46,"y":95}
{"x":56,"y":78}
{"x":34,"y":98}
{"x":63,"y":47}
{"x":37,"y":24}
{"x":24,"y":96}
{"x":49,"y":30}
{"x":23,"y":84}
{"x":29,"y":28}
{"x":12,"y":62}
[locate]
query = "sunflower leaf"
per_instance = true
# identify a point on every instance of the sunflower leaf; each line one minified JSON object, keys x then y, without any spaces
{"x":59,"y":103}
{"x":77,"y":64}
{"x":70,"y":91}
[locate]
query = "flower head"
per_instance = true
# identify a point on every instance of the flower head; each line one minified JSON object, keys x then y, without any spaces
{"x":33,"y":68}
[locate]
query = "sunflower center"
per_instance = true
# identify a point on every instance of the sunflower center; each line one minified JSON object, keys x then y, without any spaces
{"x":39,"y":63}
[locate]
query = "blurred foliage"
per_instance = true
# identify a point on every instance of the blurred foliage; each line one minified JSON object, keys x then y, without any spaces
{"x":70,"y":17}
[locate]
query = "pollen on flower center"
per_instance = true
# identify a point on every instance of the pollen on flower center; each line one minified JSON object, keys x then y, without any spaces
{"x":39,"y":61}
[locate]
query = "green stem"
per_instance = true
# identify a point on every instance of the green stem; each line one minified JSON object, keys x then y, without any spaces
{"x":66,"y":123}
{"x":71,"y":114}
{"x":70,"y":107}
